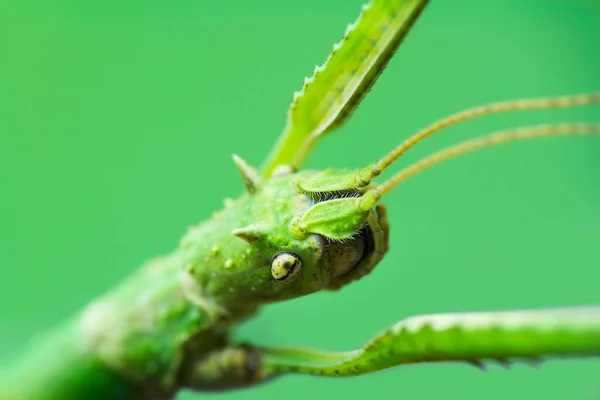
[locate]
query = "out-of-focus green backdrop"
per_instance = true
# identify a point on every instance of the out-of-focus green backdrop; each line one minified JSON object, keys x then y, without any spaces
{"x":118,"y":120}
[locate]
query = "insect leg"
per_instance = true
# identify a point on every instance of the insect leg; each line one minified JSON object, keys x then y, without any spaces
{"x":470,"y":337}
{"x":380,"y":229}
{"x":474,"y":338}
{"x":225,"y":369}
{"x":385,"y":226}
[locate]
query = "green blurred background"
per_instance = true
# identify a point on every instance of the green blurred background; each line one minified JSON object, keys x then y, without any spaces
{"x":118,"y":119}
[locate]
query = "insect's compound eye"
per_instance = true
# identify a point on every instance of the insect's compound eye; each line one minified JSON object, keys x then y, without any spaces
{"x":286,"y":267}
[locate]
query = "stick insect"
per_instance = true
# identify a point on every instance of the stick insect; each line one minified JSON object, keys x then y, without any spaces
{"x":292,"y":233}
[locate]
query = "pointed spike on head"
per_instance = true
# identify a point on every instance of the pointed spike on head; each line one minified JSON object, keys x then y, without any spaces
{"x":252,"y":233}
{"x":250,"y":175}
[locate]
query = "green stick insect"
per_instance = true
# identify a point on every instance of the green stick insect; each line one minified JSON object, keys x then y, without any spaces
{"x":292,"y":233}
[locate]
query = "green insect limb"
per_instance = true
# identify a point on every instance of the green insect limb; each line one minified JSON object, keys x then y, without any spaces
{"x":229,"y":368}
{"x":475,"y":338}
{"x":335,"y":89}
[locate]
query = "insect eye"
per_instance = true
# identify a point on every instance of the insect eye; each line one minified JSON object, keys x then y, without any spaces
{"x":286,"y":267}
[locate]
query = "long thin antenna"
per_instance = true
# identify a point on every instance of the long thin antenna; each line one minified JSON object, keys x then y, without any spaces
{"x":494,"y":108}
{"x":525,"y":133}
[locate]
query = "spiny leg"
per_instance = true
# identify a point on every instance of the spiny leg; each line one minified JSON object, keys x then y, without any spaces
{"x":471,"y":338}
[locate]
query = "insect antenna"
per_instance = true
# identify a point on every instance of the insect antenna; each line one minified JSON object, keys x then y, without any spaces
{"x":325,"y":218}
{"x":374,"y":170}
{"x":525,"y":133}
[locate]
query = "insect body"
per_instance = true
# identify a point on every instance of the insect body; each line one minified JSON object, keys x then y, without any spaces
{"x":292,"y":233}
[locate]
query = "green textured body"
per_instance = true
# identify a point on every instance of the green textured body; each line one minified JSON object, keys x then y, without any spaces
{"x":291,"y":234}
{"x":138,"y":340}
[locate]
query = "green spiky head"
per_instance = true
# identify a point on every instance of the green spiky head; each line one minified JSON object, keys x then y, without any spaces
{"x":248,"y":254}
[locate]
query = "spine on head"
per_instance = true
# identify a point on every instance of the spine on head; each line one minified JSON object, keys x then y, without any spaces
{"x":252,"y":233}
{"x":250,"y":176}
